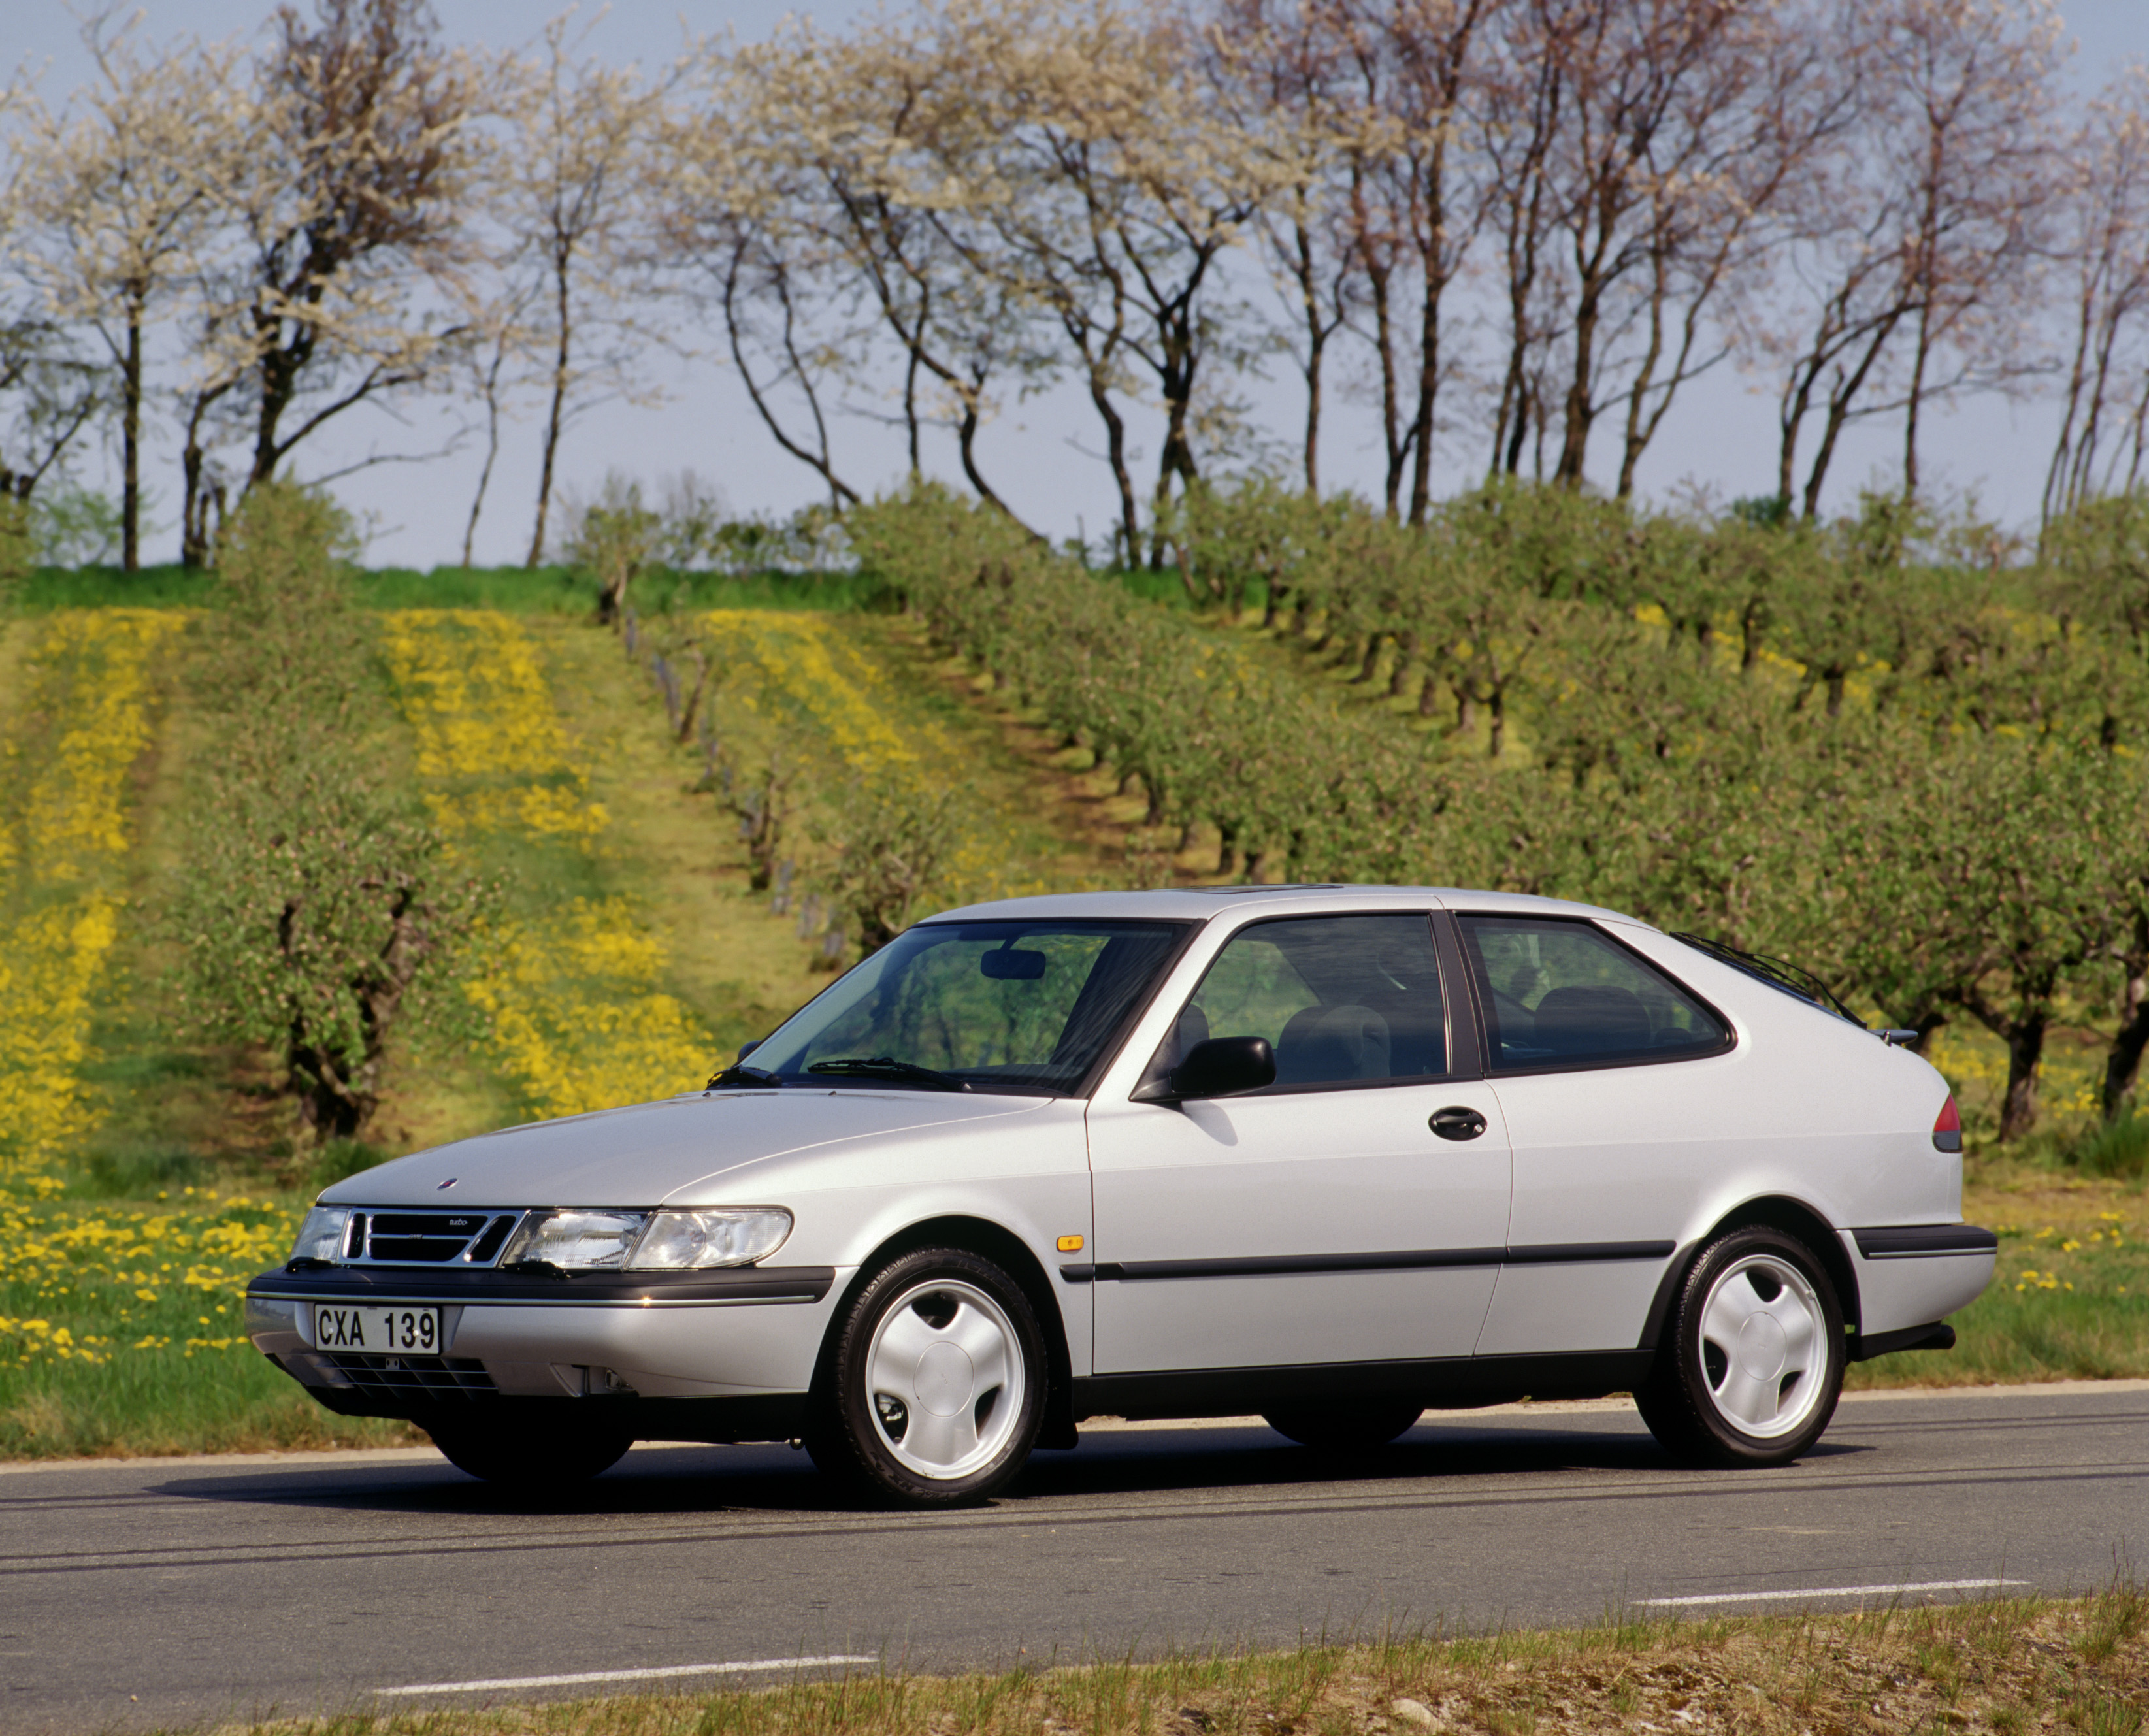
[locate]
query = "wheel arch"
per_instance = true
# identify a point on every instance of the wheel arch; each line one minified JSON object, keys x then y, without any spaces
{"x":1008,"y":1252}
{"x":1795,"y":1219}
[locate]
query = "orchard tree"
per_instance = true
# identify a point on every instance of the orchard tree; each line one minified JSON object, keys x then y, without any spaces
{"x":322,"y":917}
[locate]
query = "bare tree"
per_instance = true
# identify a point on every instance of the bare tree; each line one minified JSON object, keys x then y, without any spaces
{"x":872,"y":187}
{"x":566,"y":186}
{"x":2106,"y":253}
{"x":1419,"y":204}
{"x":120,"y":192}
{"x":48,"y":390}
{"x":1656,"y":111}
{"x":1105,"y":187}
{"x":1283,"y":66}
{"x":349,"y":212}
{"x":1524,"y":108}
{"x":1909,"y":273}
{"x":498,"y":323}
{"x":737,"y":227}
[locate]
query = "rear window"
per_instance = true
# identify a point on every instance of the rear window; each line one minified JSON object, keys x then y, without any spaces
{"x":1564,"y":993}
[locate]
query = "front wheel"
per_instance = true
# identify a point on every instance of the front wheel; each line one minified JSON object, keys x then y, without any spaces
{"x":932,"y":1393}
{"x":1752,"y":1363}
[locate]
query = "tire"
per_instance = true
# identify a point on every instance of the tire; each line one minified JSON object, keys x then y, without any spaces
{"x":1752,"y":1361}
{"x":932,"y":1390}
{"x":1346,"y":1427}
{"x":531,"y":1456}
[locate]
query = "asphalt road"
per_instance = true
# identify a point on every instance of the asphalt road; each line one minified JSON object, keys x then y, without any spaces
{"x":148,"y":1593}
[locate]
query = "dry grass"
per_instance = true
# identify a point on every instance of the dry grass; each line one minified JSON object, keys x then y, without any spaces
{"x":2012,"y":1665}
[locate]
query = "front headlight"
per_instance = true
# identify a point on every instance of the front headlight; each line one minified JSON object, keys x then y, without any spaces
{"x":715,"y":1235}
{"x":575,"y":1240}
{"x":320,"y":1236}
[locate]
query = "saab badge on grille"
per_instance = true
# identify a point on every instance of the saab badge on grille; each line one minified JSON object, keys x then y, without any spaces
{"x":448,"y":1184}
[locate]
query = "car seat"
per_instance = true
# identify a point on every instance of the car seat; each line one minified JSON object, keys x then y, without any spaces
{"x":1592,"y":1019}
{"x":1319,"y":1045}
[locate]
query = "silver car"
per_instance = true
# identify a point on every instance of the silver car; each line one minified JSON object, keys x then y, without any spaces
{"x":1333,"y":1154}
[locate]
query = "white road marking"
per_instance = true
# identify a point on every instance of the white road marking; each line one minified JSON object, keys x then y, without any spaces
{"x":1833,"y":1591}
{"x":671,"y":1669}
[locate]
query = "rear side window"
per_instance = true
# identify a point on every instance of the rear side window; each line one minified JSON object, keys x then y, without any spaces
{"x":1566,"y":994}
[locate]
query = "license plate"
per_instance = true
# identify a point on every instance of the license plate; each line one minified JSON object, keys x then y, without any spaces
{"x":380,"y":1329}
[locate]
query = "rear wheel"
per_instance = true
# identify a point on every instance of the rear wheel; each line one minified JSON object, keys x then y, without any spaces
{"x":933,"y":1392}
{"x":525,"y":1456}
{"x":1340,"y":1427}
{"x":1752,"y":1363}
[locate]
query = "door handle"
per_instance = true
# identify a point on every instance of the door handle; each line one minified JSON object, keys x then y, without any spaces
{"x":1458,"y":1123}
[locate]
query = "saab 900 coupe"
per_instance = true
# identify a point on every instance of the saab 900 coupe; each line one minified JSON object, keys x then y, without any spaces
{"x":1335,"y":1156}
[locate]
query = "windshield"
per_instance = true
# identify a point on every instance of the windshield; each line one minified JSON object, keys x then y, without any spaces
{"x":1026,"y":1007}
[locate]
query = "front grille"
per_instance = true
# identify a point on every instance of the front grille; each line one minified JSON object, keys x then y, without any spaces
{"x":406,"y":1377}
{"x":427,"y":1238}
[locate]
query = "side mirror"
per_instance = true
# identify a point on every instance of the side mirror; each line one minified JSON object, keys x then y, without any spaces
{"x":747,"y":1049}
{"x":1223,"y":1067}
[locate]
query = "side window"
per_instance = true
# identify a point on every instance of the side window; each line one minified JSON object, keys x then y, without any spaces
{"x":1559,"y":993}
{"x":1342,"y":1000}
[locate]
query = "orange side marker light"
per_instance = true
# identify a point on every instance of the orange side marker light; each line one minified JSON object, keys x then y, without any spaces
{"x":1070,"y":1244}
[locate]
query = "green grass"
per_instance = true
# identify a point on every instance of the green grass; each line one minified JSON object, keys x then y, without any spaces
{"x":515,"y":590}
{"x":120,"y":1331}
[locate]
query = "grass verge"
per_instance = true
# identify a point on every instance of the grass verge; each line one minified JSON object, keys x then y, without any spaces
{"x":2070,"y":1300}
{"x":2011,"y":1666}
{"x":120,"y":1331}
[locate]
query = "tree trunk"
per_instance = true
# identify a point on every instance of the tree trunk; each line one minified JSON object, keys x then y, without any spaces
{"x":130,"y":444}
{"x":1428,"y":384}
{"x":2122,"y":1061}
{"x":2025,"y":1049}
{"x":1115,"y":446}
{"x":1316,"y":343}
{"x":551,"y":423}
{"x":492,"y":450}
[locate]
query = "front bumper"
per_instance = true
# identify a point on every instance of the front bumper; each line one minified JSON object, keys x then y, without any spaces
{"x":677,"y":1355}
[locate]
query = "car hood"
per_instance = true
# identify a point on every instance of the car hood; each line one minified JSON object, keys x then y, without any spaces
{"x":644,"y":1154}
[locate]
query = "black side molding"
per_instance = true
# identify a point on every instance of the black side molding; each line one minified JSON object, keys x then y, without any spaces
{"x":1938,"y":1336}
{"x":1586,"y":1253}
{"x":1911,"y":1241}
{"x":1448,"y":1383}
{"x":1399,"y":1260}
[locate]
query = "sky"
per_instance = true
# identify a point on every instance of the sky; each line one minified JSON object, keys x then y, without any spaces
{"x":1039,"y":453}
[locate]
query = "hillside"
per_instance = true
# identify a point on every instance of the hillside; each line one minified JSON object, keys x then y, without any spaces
{"x":578,"y":770}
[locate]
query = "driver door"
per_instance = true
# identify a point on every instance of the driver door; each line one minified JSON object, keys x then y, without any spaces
{"x":1321,"y":1220}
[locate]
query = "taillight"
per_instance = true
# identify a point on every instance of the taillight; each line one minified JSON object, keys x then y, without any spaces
{"x":1947,"y":1129}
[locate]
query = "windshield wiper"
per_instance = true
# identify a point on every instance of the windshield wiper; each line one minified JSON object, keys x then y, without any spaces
{"x":888,"y":1067}
{"x":739,"y":1074}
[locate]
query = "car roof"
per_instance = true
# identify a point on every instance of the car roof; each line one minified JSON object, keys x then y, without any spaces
{"x":1201,"y":902}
